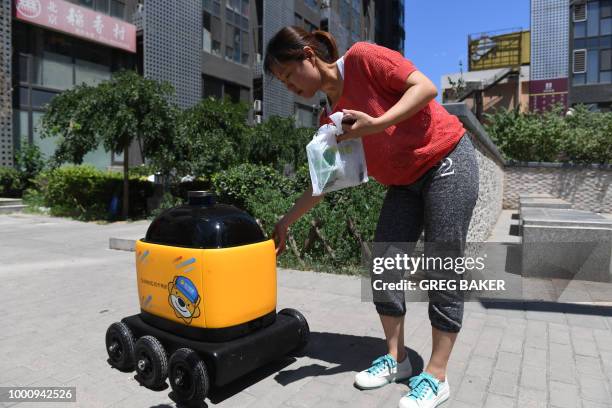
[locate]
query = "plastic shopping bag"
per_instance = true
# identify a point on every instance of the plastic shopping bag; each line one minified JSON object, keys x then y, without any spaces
{"x":334,"y":166}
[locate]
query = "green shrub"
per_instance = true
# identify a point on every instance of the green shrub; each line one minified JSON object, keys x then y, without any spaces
{"x":180,"y":190}
{"x":268,"y":195}
{"x":168,"y":201}
{"x":213,"y":136}
{"x":582,"y":137}
{"x":277,"y":142}
{"x":86,"y":193}
{"x":29,"y":162}
{"x":143,"y":170}
{"x":237,"y":184}
{"x":10,"y":182}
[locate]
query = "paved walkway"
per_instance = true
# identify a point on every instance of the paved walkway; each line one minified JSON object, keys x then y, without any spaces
{"x":61,"y":288}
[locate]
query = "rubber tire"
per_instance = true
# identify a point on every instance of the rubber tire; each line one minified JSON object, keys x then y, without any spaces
{"x":304,"y":331}
{"x":150,"y":348}
{"x":121,"y":333}
{"x":198,"y":380}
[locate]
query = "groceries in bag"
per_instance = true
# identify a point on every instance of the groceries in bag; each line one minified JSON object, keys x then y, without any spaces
{"x":334,"y":166}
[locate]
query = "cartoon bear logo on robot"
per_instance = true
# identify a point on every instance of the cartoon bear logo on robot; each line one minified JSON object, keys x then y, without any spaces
{"x":184,"y":298}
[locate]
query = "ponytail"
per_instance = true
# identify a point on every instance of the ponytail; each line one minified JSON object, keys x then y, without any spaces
{"x":288,"y":45}
{"x":328,"y":41}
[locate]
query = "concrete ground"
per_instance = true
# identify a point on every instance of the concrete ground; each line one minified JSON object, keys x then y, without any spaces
{"x":62,"y":287}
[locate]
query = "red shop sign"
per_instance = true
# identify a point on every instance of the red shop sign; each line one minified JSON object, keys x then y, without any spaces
{"x":79,"y":21}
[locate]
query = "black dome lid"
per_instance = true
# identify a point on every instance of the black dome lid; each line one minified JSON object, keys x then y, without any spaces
{"x":204,"y":224}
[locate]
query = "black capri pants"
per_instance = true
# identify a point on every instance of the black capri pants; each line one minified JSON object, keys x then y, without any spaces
{"x":441,"y":203}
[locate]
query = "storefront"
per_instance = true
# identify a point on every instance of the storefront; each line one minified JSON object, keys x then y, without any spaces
{"x":57,"y":45}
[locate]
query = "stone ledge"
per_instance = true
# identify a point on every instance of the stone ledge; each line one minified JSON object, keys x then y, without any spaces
{"x":122,"y":244}
{"x":514,"y":163}
{"x":560,"y":217}
{"x":543,"y":202}
{"x":473,"y":126}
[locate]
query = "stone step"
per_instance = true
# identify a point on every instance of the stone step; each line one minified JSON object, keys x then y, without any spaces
{"x":8,"y":209}
{"x":560,"y":217}
{"x":535,"y":195}
{"x":539,"y":202}
{"x":10,"y":201}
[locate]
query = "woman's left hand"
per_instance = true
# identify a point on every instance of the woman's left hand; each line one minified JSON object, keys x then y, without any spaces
{"x":361,"y":124}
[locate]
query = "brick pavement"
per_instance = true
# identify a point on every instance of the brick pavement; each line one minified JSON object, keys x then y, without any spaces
{"x":61,"y":288}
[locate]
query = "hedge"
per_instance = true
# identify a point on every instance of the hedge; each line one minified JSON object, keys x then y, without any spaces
{"x":10,"y":182}
{"x":267,"y":195}
{"x":579,"y":137}
{"x":86,"y":193}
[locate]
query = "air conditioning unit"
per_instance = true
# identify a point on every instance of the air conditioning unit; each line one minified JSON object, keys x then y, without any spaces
{"x":258,"y":119}
{"x":323,"y":4}
{"x":580,"y":12}
{"x":257,"y":105}
{"x":579,"y":66}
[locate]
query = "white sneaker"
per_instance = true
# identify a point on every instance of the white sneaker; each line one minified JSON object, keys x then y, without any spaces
{"x":384,"y":370}
{"x":426,"y":391}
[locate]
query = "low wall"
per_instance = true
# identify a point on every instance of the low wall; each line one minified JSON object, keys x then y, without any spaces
{"x":586,"y":187}
{"x":491,"y":174}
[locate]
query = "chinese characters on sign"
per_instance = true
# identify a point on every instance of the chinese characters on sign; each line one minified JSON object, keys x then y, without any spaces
{"x":78,"y":21}
{"x":545,"y":93}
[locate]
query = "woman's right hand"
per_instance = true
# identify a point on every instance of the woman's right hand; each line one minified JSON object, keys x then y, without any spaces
{"x":280,"y":236}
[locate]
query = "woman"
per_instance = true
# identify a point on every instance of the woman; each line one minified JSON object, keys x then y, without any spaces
{"x":417,"y":149}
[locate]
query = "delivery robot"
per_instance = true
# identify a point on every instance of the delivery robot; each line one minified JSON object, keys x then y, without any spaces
{"x":207,"y":289}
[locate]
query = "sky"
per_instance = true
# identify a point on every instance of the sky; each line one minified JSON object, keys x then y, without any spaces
{"x":437,"y":30}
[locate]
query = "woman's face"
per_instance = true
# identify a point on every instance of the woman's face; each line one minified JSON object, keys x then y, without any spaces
{"x":300,"y":77}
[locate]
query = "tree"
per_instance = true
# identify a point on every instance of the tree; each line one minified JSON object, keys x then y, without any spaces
{"x":116,"y":113}
{"x":277,"y":142}
{"x":214,"y":136}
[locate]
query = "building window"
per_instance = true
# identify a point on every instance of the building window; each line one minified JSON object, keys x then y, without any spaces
{"x":592,"y":66}
{"x":245,"y":49}
{"x":606,"y":26}
{"x":20,"y":128}
{"x":305,"y":116}
{"x":232,"y":92}
{"x":345,"y":13}
{"x":53,"y":67}
{"x":308,"y":26}
{"x":219,"y":89}
{"x":580,"y":30}
{"x":46,"y":145}
{"x":593,"y":19}
{"x":117,"y":9}
{"x":212,"y":87}
{"x":211,"y":34}
{"x":605,"y":8}
{"x":102,"y":5}
{"x":90,"y":67}
{"x":605,"y":66}
{"x":356,"y":23}
{"x":206,"y":33}
{"x":312,"y":4}
{"x":236,"y":31}
{"x":579,"y":79}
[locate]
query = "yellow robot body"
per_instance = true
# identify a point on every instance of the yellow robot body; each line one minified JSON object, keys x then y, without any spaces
{"x":207,"y":288}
